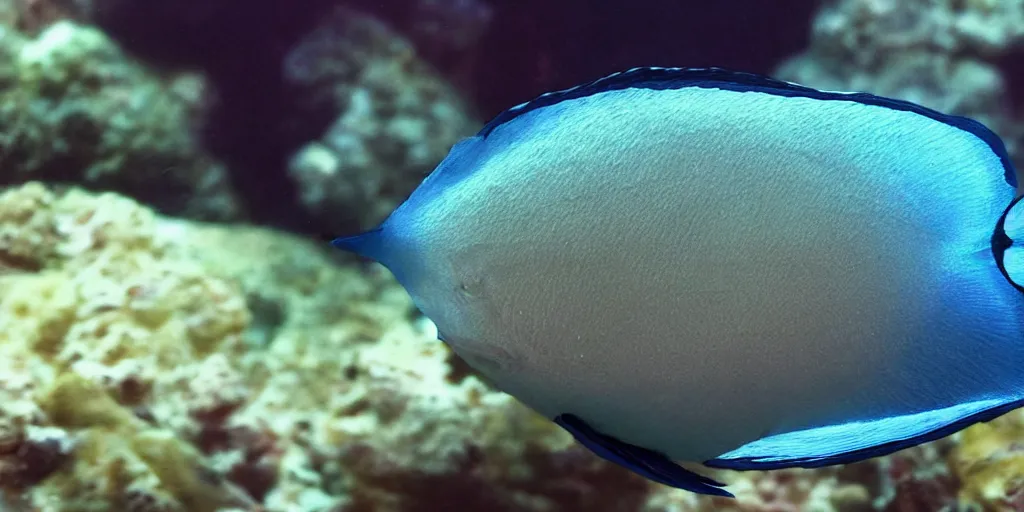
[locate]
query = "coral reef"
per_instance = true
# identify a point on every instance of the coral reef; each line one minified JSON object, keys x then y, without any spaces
{"x":32,"y":16}
{"x":74,"y":108}
{"x":942,"y":54}
{"x":325,"y":118}
{"x":447,"y":33}
{"x":397,"y":119}
{"x":96,"y":320}
{"x":825,"y":490}
{"x":989,"y":461}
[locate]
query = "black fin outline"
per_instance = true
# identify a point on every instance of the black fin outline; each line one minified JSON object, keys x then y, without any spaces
{"x":647,"y":463}
{"x":659,"y":78}
{"x":1001,"y":242}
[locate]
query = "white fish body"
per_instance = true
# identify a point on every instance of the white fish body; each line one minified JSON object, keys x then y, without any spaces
{"x":722,"y":273}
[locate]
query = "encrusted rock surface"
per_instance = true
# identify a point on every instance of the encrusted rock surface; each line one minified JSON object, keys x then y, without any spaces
{"x":75,"y":109}
{"x":397,"y":119}
{"x":944,"y":54}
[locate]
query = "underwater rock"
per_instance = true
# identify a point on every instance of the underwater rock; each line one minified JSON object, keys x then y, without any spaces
{"x":99,"y":328}
{"x":989,"y":461}
{"x":447,"y":33}
{"x":238,"y":47}
{"x":29,"y":452}
{"x":793,"y":490}
{"x":944,"y":55}
{"x":917,"y":479}
{"x":437,"y":27}
{"x":32,"y":16}
{"x":75,"y":109}
{"x":395,"y":119}
{"x":324,"y":123}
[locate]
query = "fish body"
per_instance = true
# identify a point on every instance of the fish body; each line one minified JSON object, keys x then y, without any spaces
{"x":716,"y":267}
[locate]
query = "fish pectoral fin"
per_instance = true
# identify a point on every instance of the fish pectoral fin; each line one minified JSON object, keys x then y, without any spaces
{"x":856,"y":441}
{"x":1008,"y":244}
{"x":647,"y":463}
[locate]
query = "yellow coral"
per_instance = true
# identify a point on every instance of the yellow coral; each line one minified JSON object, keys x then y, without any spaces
{"x":75,"y":402}
{"x":99,"y":316}
{"x":27,"y":232}
{"x":990,"y":462}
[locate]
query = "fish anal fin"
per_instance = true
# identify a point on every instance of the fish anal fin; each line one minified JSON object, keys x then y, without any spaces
{"x":856,"y":441}
{"x":647,"y":463}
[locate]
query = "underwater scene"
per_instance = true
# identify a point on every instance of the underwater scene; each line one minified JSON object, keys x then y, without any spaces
{"x":671,"y":256}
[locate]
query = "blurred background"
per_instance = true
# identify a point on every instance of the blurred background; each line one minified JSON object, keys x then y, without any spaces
{"x":176,"y":336}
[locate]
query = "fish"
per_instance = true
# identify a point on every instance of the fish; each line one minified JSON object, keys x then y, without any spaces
{"x":693,"y":269}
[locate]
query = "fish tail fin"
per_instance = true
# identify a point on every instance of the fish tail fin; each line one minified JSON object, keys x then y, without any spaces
{"x":369,"y":244}
{"x":1008,"y":244}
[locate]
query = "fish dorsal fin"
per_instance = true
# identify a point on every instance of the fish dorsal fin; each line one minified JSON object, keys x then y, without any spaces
{"x":718,"y":78}
{"x":1008,"y":244}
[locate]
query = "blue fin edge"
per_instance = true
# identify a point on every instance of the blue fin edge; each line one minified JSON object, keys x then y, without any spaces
{"x":758,"y":464}
{"x":718,"y":78}
{"x":646,"y":463}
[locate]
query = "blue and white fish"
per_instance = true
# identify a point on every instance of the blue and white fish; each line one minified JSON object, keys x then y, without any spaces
{"x":722,"y":268}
